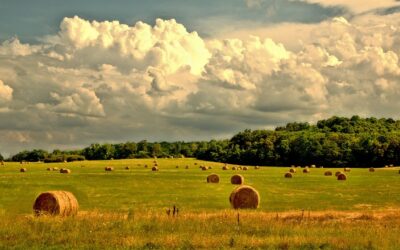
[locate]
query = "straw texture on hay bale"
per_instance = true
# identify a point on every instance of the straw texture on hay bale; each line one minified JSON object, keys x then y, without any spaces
{"x":244,"y":197}
{"x":65,"y":171}
{"x":292,"y":170}
{"x":154,"y":168}
{"x":237,"y":179}
{"x":328,"y":173}
{"x":342,"y":177}
{"x":306,"y":170}
{"x":338,"y":173}
{"x":213,"y":178}
{"x":225,"y":168}
{"x":288,"y":175}
{"x":347,"y":169}
{"x":61,"y":203}
{"x":109,"y":169}
{"x":23,"y":170}
{"x":371,"y":169}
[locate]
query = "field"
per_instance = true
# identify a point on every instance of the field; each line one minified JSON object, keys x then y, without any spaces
{"x":127,"y":208}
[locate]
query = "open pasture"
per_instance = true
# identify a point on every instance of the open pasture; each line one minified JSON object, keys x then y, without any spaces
{"x":140,"y":188}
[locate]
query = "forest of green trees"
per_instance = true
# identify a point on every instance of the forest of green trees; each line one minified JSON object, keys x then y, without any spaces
{"x":334,"y":142}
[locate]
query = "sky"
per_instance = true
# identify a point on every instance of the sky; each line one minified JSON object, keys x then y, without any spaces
{"x":75,"y":72}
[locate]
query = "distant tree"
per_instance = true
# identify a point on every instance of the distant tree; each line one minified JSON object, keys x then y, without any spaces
{"x":1,"y":158}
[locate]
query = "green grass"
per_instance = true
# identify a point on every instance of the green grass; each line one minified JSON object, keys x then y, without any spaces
{"x":127,"y":208}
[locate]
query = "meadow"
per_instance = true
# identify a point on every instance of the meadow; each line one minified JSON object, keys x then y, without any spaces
{"x":128,"y":208}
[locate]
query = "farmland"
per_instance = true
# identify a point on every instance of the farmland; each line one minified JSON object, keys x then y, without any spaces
{"x":128,"y":207}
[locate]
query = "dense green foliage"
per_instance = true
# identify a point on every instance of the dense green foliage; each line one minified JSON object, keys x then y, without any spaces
{"x":336,"y":141}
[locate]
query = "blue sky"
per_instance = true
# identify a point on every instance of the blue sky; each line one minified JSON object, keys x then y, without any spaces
{"x":30,"y":20}
{"x":189,"y":70}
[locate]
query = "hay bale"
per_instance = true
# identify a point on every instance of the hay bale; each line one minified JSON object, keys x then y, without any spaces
{"x":371,"y":169}
{"x":225,"y":167}
{"x":127,"y":168}
{"x":342,"y":177}
{"x":195,"y":163}
{"x":233,"y":168}
{"x":154,"y":168}
{"x":155,"y":164}
{"x":204,"y":168}
{"x":23,"y":170}
{"x":209,"y":167}
{"x":292,"y":170}
{"x":328,"y":173}
{"x":244,"y":197}
{"x":61,"y":203}
{"x":292,"y":166}
{"x":347,"y":169}
{"x":245,"y":168}
{"x":65,"y":171}
{"x":237,"y":179}
{"x":239,"y":168}
{"x":55,"y":169}
{"x":146,"y":166}
{"x":391,"y":165}
{"x":386,"y":166}
{"x":338,"y":173}
{"x":108,"y":169}
{"x":177,"y":167}
{"x":305,"y":166}
{"x":313,"y":166}
{"x":256,"y":167}
{"x":288,"y":175}
{"x":213,"y":178}
{"x":306,"y":170}
{"x":187,"y":167}
{"x":49,"y":169}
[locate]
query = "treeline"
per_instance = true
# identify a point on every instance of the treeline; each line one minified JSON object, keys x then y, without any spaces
{"x":333,"y":142}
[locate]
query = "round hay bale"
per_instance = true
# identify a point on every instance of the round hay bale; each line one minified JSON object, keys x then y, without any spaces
{"x":23,"y":170}
{"x":55,"y":169}
{"x":146,"y":166}
{"x":187,"y":167}
{"x":155,"y":164}
{"x":154,"y":168}
{"x":237,"y":179}
{"x":371,"y":170}
{"x":225,"y":167}
{"x":61,"y":203}
{"x":209,"y":167}
{"x":244,"y":197}
{"x":292,"y":166}
{"x":233,"y":168}
{"x":204,"y":168}
{"x":313,"y":166}
{"x":288,"y":175}
{"x":292,"y":170}
{"x":391,"y":165}
{"x":306,"y":170}
{"x":65,"y":171}
{"x":298,"y":167}
{"x":127,"y":168}
{"x":245,"y":168}
{"x":305,"y":166}
{"x":328,"y":173}
{"x":256,"y":167}
{"x":108,"y":169}
{"x":195,"y":163}
{"x":342,"y":177}
{"x":239,"y":168}
{"x":49,"y":169}
{"x":338,"y":173}
{"x":347,"y":169}
{"x":213,"y":178}
{"x":177,"y":167}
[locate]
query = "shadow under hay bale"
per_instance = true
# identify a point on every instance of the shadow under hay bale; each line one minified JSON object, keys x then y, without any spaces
{"x":328,"y":173}
{"x":65,"y":171}
{"x":288,"y":175}
{"x":213,"y":178}
{"x":244,"y":197}
{"x":342,"y":177}
{"x":237,"y":179}
{"x":371,"y":170}
{"x":292,"y":170}
{"x":23,"y":170}
{"x":108,"y":169}
{"x":61,"y":203}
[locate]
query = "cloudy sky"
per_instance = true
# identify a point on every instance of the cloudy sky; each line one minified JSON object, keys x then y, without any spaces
{"x":83,"y":71}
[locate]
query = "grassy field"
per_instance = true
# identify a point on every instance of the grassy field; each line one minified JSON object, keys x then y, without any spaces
{"x":127,"y":208}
